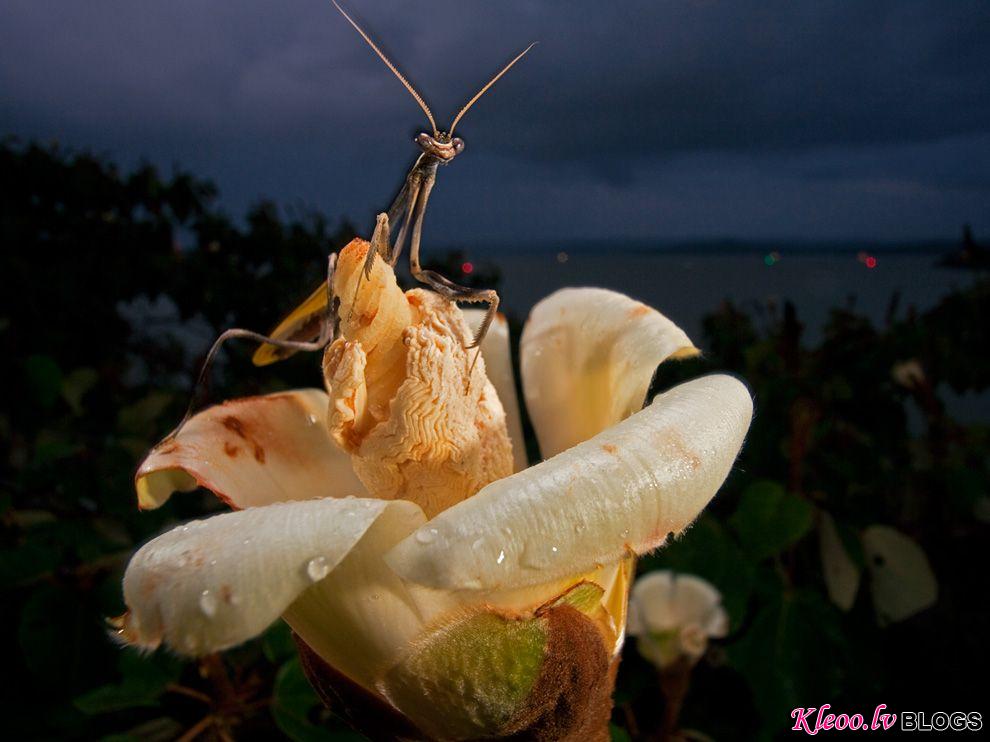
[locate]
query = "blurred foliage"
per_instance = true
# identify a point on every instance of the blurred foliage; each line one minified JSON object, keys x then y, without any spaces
{"x":115,"y":283}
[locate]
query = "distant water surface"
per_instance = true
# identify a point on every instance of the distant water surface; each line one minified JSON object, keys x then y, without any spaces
{"x":687,"y":286}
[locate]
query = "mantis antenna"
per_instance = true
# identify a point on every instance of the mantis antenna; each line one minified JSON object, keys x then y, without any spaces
{"x":404,"y":81}
{"x":490,"y":83}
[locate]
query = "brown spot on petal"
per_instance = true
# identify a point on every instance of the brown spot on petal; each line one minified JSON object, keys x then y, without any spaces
{"x":639,"y":310}
{"x":235,"y":425}
{"x":609,"y":448}
{"x":365,"y":711}
{"x":230,"y":449}
{"x":259,"y":454}
{"x":572,"y":697}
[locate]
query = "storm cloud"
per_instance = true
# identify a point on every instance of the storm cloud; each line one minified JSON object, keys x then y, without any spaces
{"x":663,"y":119}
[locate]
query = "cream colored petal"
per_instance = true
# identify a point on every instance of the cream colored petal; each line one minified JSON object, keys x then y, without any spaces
{"x":215,"y":583}
{"x":496,"y":351}
{"x":901,"y":578}
{"x":587,"y":359}
{"x":717,"y":623}
{"x":252,"y":451}
{"x":693,"y":640}
{"x":693,"y":599}
{"x":840,"y":571}
{"x":651,"y":603}
{"x":625,"y":489}
{"x":363,"y":617}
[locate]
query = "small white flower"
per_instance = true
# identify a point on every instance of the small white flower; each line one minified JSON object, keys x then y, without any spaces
{"x":674,"y":616}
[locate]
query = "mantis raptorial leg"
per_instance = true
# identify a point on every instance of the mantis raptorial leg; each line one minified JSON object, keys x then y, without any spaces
{"x":328,"y":330}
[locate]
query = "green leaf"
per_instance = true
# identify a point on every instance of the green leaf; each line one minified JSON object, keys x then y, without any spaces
{"x":296,"y":708}
{"x":791,"y":652}
{"x":44,"y":379}
{"x":141,"y":417}
{"x":277,"y":643}
{"x":76,"y":385}
{"x":768,"y":519}
{"x":618,"y":734}
{"x":145,"y":679}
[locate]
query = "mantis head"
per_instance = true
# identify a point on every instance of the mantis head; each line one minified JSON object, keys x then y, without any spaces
{"x":441,"y":145}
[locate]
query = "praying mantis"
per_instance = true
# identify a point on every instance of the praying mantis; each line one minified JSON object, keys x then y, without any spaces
{"x":313,"y":324}
{"x":438,"y":148}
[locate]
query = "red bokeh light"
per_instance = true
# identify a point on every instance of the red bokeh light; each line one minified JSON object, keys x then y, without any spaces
{"x":469,"y":268}
{"x":871,"y":262}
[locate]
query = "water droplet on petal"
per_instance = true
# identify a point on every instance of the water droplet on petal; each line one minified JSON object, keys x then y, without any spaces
{"x":427,"y":535}
{"x":538,"y":556}
{"x":317,"y":568}
{"x":208,"y":603}
{"x":501,"y":556}
{"x":313,"y":419}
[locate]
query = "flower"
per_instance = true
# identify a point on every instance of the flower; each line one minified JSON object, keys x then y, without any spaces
{"x":674,"y":616}
{"x":392,"y":523}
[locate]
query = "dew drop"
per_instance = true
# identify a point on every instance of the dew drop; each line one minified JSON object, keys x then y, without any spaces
{"x":427,"y":535}
{"x":313,"y":419}
{"x":501,"y":556}
{"x":317,"y":568}
{"x":208,"y":603}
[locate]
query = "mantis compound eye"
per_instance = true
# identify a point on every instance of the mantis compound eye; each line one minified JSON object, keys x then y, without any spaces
{"x":458,"y":144}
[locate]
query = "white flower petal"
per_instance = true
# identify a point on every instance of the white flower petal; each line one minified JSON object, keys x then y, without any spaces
{"x":587,"y":359}
{"x":840,"y":571}
{"x":693,"y":640}
{"x":363,"y":617}
{"x":496,"y":351}
{"x":717,"y":623}
{"x":252,"y":451}
{"x":901,"y":579}
{"x":215,"y":583}
{"x":623,"y":490}
{"x":693,"y":599}
{"x":651,"y":596}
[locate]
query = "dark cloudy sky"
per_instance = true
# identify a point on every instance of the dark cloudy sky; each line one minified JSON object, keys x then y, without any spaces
{"x":663,"y":118}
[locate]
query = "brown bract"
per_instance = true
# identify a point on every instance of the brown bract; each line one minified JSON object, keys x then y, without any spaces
{"x":407,"y":399}
{"x":570,"y":700}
